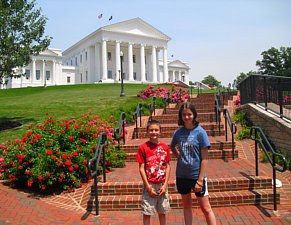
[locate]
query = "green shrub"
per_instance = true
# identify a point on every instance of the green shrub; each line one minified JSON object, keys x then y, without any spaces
{"x":53,"y":156}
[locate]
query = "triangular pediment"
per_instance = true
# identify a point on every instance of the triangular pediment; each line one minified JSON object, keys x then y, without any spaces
{"x":138,"y":27}
{"x":50,"y":52}
{"x":178,"y":63}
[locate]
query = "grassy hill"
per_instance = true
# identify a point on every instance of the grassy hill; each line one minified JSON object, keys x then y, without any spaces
{"x":30,"y":105}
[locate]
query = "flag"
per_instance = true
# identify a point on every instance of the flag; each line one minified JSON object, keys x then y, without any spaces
{"x":100,"y":16}
{"x":110,"y":18}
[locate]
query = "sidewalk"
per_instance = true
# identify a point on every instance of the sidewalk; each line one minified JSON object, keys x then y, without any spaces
{"x":17,"y":207}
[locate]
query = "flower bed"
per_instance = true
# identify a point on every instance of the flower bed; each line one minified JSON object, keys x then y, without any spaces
{"x":53,"y":156}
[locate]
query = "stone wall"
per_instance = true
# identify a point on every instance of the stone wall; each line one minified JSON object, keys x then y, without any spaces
{"x":277,"y":130}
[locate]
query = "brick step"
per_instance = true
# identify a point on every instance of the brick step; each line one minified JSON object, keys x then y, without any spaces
{"x":172,"y":111}
{"x":172,"y":127}
{"x":212,"y":154}
{"x":171,"y":118}
{"x":214,"y":185}
{"x":167,"y":134}
{"x":217,"y":199}
{"x":215,"y":145}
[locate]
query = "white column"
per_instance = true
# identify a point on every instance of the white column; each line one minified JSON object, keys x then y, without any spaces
{"x":43,"y":72}
{"x":142,"y":64}
{"x":130,"y":62}
{"x":154,"y":64}
{"x":54,"y":73}
{"x":157,"y":63}
{"x":33,"y":71}
{"x":104,"y":60}
{"x":117,"y":61}
{"x":97,"y":62}
{"x":165,"y":60}
{"x":180,"y":76}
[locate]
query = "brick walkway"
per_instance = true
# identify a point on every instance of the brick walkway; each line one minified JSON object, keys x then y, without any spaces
{"x":17,"y":207}
{"x":21,"y":208}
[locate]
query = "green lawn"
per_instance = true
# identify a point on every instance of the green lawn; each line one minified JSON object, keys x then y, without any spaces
{"x":29,"y":105}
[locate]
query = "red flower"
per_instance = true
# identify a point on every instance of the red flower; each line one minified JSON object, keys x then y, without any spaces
{"x":71,"y":138}
{"x":83,"y":140}
{"x":29,"y":183}
{"x":49,"y":152}
{"x":24,"y":139}
{"x":71,"y":168}
{"x":76,"y":166}
{"x":43,"y":187}
{"x":68,"y":163}
{"x":20,"y":167}
{"x":40,"y":178}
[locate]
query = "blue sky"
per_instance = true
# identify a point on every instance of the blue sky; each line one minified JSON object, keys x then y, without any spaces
{"x":216,"y":37}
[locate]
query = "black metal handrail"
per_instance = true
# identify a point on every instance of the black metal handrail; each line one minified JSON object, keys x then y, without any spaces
{"x":267,"y":148}
{"x":232,"y":126}
{"x":273,"y":93}
{"x":167,"y":101}
{"x":136,"y":115}
{"x":119,"y":132}
{"x":93,"y":166}
{"x":152,"y":107}
{"x":217,"y":110}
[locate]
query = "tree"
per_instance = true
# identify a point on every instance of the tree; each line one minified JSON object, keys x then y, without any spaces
{"x":276,"y":62}
{"x":21,"y":31}
{"x":210,"y":80}
{"x":243,"y":76}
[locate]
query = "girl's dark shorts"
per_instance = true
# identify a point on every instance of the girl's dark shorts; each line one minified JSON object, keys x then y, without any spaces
{"x":185,"y":186}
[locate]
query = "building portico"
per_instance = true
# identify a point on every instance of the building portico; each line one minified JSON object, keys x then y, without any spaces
{"x":140,"y":44}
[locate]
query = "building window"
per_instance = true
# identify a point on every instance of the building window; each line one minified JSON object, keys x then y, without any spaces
{"x":86,"y":56}
{"x":109,"y":75}
{"x":109,"y":56}
{"x":76,"y":61}
{"x":48,"y":75}
{"x":68,"y":80}
{"x":86,"y":75}
{"x":37,"y":74}
{"x":81,"y":78}
{"x":27,"y":74}
{"x":133,"y":59}
{"x":134,"y":75}
{"x":71,"y":62}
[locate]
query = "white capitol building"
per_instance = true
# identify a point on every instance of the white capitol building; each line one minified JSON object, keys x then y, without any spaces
{"x":133,"y":47}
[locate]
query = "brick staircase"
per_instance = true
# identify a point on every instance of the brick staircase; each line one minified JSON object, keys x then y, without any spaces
{"x":228,"y":186}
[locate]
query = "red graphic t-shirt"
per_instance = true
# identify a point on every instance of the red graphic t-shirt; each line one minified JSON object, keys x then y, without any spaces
{"x":155,"y":158}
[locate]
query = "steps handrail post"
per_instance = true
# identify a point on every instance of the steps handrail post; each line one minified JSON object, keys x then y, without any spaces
{"x":274,"y":183}
{"x":256,"y":154}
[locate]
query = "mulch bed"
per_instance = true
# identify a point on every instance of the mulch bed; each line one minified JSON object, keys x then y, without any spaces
{"x":6,"y":125}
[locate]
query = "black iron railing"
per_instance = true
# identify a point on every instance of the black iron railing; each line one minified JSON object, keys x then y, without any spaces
{"x":232,"y":127}
{"x":93,"y":166}
{"x":137,"y":114}
{"x":152,"y":107}
{"x":167,"y":101}
{"x":119,"y":132}
{"x":260,"y":138}
{"x":217,"y":110}
{"x":270,"y":92}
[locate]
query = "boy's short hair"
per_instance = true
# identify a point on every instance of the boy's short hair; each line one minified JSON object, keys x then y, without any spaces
{"x":153,"y":122}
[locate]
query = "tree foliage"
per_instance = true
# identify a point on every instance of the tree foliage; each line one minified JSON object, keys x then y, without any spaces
{"x":276,"y":62}
{"x":210,"y":80}
{"x":243,"y":76}
{"x":21,"y":35}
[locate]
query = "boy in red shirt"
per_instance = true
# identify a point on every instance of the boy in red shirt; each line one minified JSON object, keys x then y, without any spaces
{"x":153,"y":157}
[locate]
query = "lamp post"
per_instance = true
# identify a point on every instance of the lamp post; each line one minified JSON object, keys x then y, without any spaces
{"x":122,"y":94}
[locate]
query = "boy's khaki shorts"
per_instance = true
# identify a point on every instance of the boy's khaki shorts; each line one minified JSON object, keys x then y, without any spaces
{"x":152,"y":205}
